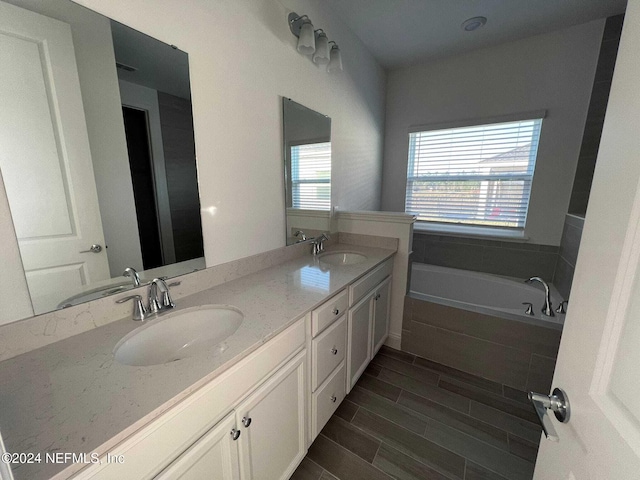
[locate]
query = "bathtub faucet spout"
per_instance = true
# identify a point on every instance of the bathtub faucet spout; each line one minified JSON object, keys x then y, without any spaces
{"x":546,"y":309}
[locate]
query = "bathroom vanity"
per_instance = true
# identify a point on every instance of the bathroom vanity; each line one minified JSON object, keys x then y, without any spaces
{"x":247,"y":409}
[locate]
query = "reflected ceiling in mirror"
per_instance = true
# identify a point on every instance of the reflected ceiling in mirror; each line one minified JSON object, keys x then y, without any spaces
{"x":97,"y":152}
{"x":307,"y":169}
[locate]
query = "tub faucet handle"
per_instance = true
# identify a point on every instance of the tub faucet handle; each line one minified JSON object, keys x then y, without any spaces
{"x":529,"y":310}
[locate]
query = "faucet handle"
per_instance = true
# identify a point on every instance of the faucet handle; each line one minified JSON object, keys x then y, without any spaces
{"x":562,"y":308}
{"x":529,"y":310}
{"x":139,"y":311}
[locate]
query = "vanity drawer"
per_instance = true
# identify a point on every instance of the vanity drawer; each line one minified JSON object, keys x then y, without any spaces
{"x":363,"y":286}
{"x":325,"y":314}
{"x":326,"y":400}
{"x":328,"y":350}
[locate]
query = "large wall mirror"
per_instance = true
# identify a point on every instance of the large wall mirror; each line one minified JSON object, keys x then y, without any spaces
{"x":307,"y":167}
{"x":97,"y":152}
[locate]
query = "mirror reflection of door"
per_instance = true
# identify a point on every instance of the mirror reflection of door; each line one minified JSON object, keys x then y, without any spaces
{"x":45,"y":158}
{"x":64,"y":154}
{"x":136,"y":129}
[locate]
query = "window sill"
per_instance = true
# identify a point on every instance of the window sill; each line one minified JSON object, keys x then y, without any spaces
{"x":487,"y":233}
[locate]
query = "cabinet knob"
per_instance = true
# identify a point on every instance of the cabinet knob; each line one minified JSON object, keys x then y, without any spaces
{"x":376,"y":297}
{"x":334,"y":399}
{"x":336,"y":311}
{"x":246,"y":421}
{"x":235,"y":434}
{"x":334,"y":350}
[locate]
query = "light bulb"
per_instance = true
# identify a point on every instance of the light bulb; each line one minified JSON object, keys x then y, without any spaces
{"x":307,"y":39}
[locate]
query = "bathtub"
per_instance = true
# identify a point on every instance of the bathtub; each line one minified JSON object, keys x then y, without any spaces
{"x":484,"y":293}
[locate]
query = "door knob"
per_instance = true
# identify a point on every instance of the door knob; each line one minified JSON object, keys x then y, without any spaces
{"x":95,"y":248}
{"x":558,"y":403}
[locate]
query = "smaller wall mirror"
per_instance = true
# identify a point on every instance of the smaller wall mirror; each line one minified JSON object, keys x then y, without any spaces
{"x":307,"y":169}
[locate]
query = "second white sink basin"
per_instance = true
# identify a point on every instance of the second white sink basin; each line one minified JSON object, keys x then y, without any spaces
{"x":178,"y":335}
{"x":342,"y":258}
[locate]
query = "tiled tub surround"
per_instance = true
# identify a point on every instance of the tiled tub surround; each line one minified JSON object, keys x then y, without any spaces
{"x":569,"y":246}
{"x":413,"y":419}
{"x":71,"y":396}
{"x":513,"y":259}
{"x":506,"y":347}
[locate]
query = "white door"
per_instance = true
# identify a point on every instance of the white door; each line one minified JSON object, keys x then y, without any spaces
{"x":359,"y":339}
{"x":45,"y":157}
{"x":381,"y":304}
{"x":599,"y":359}
{"x":214,"y":456}
{"x":271,"y":421}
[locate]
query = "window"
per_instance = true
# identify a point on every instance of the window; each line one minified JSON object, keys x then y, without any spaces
{"x":479,"y":175}
{"x":311,"y":176}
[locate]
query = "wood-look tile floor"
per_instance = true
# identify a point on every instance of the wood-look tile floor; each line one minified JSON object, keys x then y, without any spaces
{"x":409,"y":418}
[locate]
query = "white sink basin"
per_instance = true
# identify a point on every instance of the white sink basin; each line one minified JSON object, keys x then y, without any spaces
{"x":342,"y":258}
{"x":178,"y":335}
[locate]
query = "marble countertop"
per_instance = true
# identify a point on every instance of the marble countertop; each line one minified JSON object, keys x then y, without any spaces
{"x":72,"y":396}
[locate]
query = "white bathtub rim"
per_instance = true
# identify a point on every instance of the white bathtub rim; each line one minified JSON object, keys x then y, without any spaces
{"x":556,"y":322}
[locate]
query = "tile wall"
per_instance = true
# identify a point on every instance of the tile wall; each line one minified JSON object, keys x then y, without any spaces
{"x":516,"y":354}
{"x":595,"y":116}
{"x":569,"y":246}
{"x":490,"y":256}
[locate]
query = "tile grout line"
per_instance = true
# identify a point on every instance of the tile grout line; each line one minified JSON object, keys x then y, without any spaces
{"x":351,"y":453}
{"x":423,"y":435}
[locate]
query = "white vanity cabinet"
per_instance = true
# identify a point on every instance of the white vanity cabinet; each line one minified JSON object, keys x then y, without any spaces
{"x":368,"y":319}
{"x":264,"y":437}
{"x":214,"y":456}
{"x":328,"y":346}
{"x":210,"y":430}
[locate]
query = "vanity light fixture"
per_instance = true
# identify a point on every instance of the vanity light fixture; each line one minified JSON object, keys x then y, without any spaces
{"x":302,"y":28}
{"x":321,"y":57}
{"x":315,"y":43}
{"x":335,"y":61}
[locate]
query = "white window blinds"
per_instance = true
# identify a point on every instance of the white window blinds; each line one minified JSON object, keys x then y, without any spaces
{"x":311,"y":176}
{"x":478,"y":175}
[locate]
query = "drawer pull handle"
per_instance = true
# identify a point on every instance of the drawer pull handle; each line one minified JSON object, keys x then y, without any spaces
{"x":334,"y":399}
{"x":246,"y":421}
{"x":336,"y":311}
{"x":235,"y":434}
{"x":334,"y":350}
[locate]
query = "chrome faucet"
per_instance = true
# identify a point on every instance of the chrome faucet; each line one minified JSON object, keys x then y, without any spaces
{"x":165,"y":303}
{"x":546,"y":309}
{"x":131,"y":273}
{"x":318,"y":244}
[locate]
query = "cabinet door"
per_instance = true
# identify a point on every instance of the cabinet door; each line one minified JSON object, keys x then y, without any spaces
{"x":272,"y":422}
{"x":214,"y":456}
{"x":381,"y":305}
{"x":359,"y":339}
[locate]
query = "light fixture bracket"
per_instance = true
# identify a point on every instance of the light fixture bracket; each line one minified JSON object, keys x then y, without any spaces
{"x":296,"y":21}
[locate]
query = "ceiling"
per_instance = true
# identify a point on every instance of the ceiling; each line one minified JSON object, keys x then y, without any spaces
{"x":404,"y":32}
{"x":157,"y":65}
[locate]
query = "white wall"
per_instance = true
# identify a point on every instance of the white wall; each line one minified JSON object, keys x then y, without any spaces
{"x":242,"y":60}
{"x":553,"y":72}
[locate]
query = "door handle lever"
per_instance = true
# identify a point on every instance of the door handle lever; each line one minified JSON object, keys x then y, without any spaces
{"x":95,"y":248}
{"x":558,"y":403}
